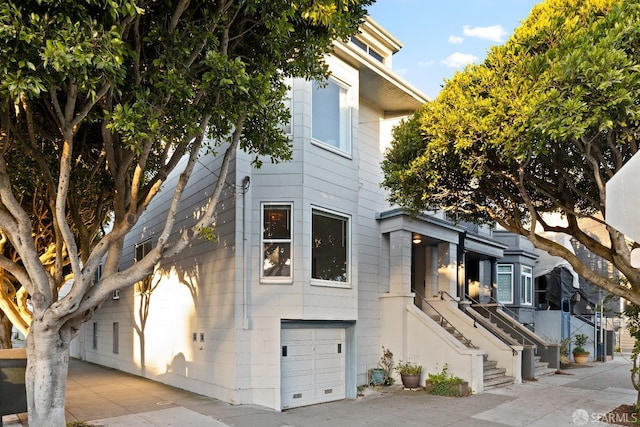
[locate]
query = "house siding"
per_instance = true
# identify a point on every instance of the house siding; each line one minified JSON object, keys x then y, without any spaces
{"x":214,"y":289}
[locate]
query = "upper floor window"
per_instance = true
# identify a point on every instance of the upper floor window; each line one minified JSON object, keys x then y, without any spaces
{"x":330,"y":251}
{"x":331,"y":115}
{"x":276,"y":241}
{"x":504,"y":291}
{"x":142,"y":249}
{"x":526,"y":286}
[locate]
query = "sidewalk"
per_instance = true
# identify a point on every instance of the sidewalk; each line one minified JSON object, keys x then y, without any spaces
{"x":106,"y":397}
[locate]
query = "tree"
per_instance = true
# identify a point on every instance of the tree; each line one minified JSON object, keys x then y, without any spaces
{"x":100,"y":99}
{"x":632,"y":313}
{"x":535,"y":131}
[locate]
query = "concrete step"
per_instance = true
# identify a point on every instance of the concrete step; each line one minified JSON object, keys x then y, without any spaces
{"x":544,"y":372}
{"x":490,"y":374}
{"x":502,"y":381}
{"x":489,"y":364}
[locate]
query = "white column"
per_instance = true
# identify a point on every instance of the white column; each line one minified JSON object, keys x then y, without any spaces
{"x":447,"y":268}
{"x":400,"y":263}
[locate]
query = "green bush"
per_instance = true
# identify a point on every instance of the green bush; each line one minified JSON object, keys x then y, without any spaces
{"x":444,"y":383}
{"x":408,"y":368}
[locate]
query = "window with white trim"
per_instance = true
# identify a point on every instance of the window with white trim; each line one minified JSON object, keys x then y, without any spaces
{"x":504,"y":290}
{"x":331,"y":115}
{"x":276,"y":242}
{"x":330,"y":251}
{"x":526,"y":285}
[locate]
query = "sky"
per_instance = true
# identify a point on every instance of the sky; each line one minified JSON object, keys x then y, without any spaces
{"x":440,"y":37}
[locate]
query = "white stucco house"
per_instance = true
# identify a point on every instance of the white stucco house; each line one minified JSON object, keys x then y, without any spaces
{"x":312,"y":271}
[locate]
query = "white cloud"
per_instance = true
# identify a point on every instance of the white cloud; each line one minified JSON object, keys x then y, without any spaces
{"x":455,"y":39}
{"x":494,"y":33}
{"x":426,"y":63}
{"x":457,"y":60}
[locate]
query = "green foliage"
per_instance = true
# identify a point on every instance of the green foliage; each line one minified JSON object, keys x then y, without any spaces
{"x":386,"y":363}
{"x":408,"y":368}
{"x":581,"y":341}
{"x":632,"y":314}
{"x":537,"y":129}
{"x":444,"y":383}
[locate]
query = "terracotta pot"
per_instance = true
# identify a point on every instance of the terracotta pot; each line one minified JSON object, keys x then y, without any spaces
{"x":581,"y":358}
{"x":411,"y":381}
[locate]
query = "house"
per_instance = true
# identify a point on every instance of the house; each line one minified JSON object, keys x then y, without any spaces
{"x":311,"y":271}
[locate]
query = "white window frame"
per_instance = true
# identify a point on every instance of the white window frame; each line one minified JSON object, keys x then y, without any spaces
{"x":498,"y":273}
{"x":276,"y":279}
{"x":526,"y":285}
{"x":344,"y":145}
{"x":316,"y":210}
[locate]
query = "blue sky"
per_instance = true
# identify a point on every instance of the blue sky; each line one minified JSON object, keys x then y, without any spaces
{"x":441,"y":36}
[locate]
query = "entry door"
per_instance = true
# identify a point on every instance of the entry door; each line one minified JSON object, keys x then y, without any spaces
{"x":312,"y":366}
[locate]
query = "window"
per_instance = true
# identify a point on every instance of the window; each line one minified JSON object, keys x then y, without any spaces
{"x":116,"y":337}
{"x":276,"y":242}
{"x":329,"y":246}
{"x":94,"y":342}
{"x":331,"y":116}
{"x":504,"y":293}
{"x":526,"y":286}
{"x":142,"y":249}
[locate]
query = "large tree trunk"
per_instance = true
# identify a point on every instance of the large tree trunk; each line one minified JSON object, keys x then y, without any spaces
{"x":5,"y":331}
{"x":46,"y":376}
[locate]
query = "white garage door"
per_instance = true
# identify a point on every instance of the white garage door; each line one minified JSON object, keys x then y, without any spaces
{"x":313,"y":366}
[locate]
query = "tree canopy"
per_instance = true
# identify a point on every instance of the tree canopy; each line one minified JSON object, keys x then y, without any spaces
{"x":99,"y":100}
{"x":534,"y":132}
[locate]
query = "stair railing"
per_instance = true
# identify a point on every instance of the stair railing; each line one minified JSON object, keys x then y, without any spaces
{"x":467,"y":341}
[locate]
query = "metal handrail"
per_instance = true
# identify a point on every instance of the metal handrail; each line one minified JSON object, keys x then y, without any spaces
{"x":442,"y":318}
{"x":512,"y":315}
{"x":442,"y":293}
{"x":504,"y":308}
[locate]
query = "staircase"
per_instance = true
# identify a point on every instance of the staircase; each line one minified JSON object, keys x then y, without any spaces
{"x":493,"y":377}
{"x":543,"y":369}
{"x":626,"y":340}
{"x":511,"y":332}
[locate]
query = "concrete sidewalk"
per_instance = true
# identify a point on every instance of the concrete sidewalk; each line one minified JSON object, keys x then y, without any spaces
{"x":576,"y":397}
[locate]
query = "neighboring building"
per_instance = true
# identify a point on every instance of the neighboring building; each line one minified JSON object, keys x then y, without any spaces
{"x":312,"y":271}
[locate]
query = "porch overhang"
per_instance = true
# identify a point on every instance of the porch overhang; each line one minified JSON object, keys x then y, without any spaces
{"x":432,"y":229}
{"x":380,"y":85}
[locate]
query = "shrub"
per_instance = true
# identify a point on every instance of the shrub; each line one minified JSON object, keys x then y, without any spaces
{"x":408,"y":368}
{"x":444,"y":383}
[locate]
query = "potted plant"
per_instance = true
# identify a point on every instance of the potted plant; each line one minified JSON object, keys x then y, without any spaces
{"x":580,"y":355}
{"x":409,"y":373}
{"x":445,"y":383}
{"x":381,"y":375}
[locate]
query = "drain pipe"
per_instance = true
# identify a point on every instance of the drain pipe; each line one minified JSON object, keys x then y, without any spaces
{"x":246,"y":181}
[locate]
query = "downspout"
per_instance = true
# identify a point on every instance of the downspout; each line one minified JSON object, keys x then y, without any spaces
{"x":245,"y":315}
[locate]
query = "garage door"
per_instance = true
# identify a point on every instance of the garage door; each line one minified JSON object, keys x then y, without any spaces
{"x":313,"y":366}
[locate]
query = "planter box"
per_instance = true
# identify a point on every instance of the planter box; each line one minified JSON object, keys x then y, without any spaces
{"x":13,"y":395}
{"x":377,"y":376}
{"x":448,"y":389}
